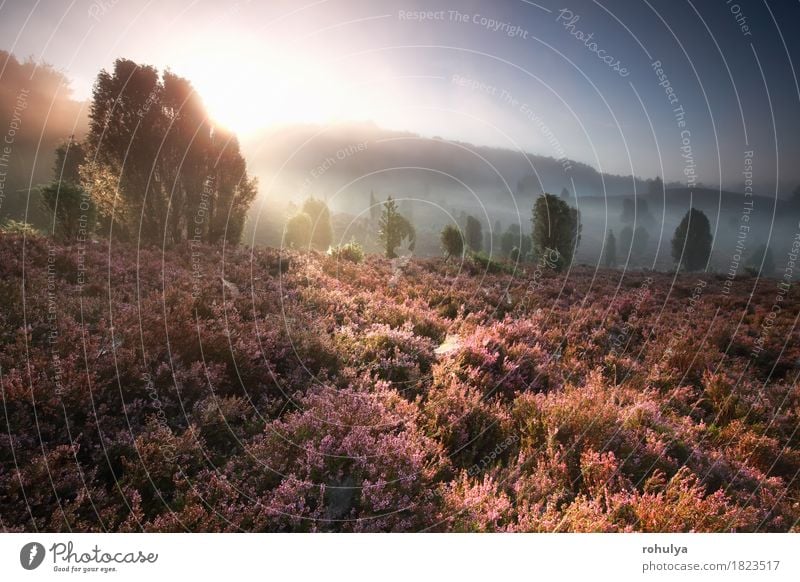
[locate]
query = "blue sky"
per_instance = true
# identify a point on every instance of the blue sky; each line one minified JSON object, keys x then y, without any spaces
{"x":511,"y":74}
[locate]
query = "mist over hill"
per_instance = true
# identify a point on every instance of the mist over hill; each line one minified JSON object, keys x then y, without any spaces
{"x":739,"y":224}
{"x":439,"y":181}
{"x":436,"y":180}
{"x":342,"y":163}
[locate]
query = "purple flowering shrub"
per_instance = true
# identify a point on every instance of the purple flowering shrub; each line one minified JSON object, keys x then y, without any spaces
{"x":396,"y":355}
{"x":235,"y":389}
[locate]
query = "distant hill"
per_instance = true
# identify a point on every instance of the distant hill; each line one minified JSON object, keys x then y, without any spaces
{"x":345,"y":162}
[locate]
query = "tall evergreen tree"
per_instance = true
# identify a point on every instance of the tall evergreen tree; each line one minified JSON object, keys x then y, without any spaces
{"x":691,"y":245}
{"x":394,"y":228}
{"x":556,"y":227}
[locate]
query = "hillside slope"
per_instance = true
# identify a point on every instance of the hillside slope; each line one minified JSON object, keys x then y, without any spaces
{"x":234,"y":391}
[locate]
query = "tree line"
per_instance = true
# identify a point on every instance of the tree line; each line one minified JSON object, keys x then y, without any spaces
{"x":555,"y":234}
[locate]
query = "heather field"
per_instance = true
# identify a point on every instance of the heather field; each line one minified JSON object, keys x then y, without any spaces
{"x":228,"y":389}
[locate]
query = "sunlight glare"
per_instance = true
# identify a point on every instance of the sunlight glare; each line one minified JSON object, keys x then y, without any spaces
{"x":246,"y":89}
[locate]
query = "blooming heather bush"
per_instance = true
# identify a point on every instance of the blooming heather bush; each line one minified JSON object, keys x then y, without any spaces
{"x":468,"y":426}
{"x":396,"y":355}
{"x":496,"y":364}
{"x":230,"y":389}
{"x":351,"y":251}
{"x":348,"y":461}
{"x":476,"y":505}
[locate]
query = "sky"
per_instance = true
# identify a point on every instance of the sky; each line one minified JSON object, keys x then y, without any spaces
{"x":587,"y":80}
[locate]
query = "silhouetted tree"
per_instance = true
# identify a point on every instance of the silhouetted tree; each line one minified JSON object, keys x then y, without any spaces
{"x":321,"y":228}
{"x":156,"y":164}
{"x":565,"y":195}
{"x":610,"y":256}
{"x":452,"y":241}
{"x":473,"y":232}
{"x":394,"y":229}
{"x":556,"y":226}
{"x":691,"y":245}
{"x":227,"y":191}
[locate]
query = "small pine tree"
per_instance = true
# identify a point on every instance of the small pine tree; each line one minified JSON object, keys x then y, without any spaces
{"x":452,"y":241}
{"x":610,"y":259}
{"x":394,"y":228}
{"x":691,"y":245}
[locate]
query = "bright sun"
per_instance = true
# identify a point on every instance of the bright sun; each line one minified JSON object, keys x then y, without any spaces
{"x":245,"y":89}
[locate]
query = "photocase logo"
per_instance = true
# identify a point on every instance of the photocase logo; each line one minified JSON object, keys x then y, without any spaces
{"x":31,"y":555}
